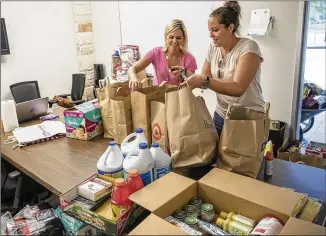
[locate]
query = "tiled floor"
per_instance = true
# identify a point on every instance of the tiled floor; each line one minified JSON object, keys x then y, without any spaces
{"x":318,"y":131}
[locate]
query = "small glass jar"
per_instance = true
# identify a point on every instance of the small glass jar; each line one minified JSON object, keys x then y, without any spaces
{"x":207,"y":212}
{"x":180,"y":215}
{"x":191,"y":210}
{"x":191,"y":221}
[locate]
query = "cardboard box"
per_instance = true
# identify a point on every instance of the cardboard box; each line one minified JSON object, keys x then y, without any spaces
{"x":226,"y":191}
{"x":124,"y":224}
{"x":309,"y":160}
{"x":299,"y":227}
{"x":83,"y":121}
{"x":282,"y":152}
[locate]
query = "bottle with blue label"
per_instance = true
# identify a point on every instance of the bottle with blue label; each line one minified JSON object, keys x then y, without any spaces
{"x":143,"y":162}
{"x":110,"y":163}
{"x":162,"y":161}
{"x":138,"y":137}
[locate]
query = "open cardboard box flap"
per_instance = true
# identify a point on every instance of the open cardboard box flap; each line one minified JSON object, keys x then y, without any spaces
{"x":279,"y":199}
{"x":162,"y":191}
{"x":154,"y":225}
{"x":299,"y":227}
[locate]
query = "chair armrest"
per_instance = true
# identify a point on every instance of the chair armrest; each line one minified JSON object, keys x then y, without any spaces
{"x":14,"y":174}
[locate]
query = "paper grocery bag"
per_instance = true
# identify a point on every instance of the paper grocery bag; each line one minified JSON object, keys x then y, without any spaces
{"x":120,"y":101}
{"x":309,"y":160}
{"x":191,"y":130}
{"x":158,"y":124}
{"x":140,"y":106}
{"x":105,"y":110}
{"x":243,"y":139}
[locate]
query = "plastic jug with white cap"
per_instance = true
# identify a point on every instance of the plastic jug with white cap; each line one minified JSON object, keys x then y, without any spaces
{"x":143,"y":162}
{"x":162,"y":161}
{"x":110,"y":163}
{"x":139,"y":137}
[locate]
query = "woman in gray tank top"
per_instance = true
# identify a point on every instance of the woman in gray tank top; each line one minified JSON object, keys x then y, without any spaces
{"x":232,"y":66}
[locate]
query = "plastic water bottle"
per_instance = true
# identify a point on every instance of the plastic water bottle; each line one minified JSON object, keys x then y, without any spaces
{"x":143,"y":162}
{"x":139,"y":137}
{"x":110,"y":163}
{"x":162,"y":161}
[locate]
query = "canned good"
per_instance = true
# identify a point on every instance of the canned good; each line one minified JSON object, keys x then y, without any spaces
{"x":180,"y":215}
{"x":207,"y":212}
{"x":269,"y":225}
{"x":191,"y":210}
{"x":192,"y":222}
{"x":197,"y":202}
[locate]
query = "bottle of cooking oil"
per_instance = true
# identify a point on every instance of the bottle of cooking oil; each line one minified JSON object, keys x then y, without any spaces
{"x":236,"y":217}
{"x":233,"y":227}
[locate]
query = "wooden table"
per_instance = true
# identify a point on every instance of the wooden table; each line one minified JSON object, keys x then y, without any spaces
{"x":58,"y":165}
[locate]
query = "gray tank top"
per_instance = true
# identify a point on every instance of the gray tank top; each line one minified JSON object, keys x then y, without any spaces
{"x":253,"y":97}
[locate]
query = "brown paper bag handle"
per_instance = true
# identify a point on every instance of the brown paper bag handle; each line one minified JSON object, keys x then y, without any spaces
{"x":267,"y":110}
{"x":125,"y":88}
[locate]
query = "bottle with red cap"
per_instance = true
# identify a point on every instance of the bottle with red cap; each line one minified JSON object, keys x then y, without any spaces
{"x":119,"y":198}
{"x":134,"y":181}
{"x":269,"y":163}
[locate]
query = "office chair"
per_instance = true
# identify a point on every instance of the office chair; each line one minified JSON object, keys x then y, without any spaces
{"x":11,"y":186}
{"x":77,"y":90}
{"x":25,"y":91}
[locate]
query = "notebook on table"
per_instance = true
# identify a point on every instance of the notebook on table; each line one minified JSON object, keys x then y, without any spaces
{"x":47,"y":130}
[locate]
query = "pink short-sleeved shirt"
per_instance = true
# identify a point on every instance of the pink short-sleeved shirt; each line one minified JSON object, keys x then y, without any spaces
{"x":157,"y":57}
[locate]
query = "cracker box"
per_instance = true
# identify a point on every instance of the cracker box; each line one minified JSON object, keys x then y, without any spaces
{"x":83,"y":121}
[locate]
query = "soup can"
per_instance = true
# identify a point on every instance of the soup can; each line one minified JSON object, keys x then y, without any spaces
{"x":191,"y":221}
{"x":180,"y":215}
{"x":197,"y":202}
{"x":191,"y":210}
{"x":207,"y":212}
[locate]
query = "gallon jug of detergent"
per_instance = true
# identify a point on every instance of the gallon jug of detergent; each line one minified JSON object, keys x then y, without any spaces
{"x":139,"y":137}
{"x":162,"y":161}
{"x":110,"y":163}
{"x":143,"y":162}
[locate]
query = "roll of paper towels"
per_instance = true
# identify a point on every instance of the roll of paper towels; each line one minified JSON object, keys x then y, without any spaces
{"x":9,"y":115}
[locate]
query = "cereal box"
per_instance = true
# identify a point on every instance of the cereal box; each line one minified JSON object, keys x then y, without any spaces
{"x":83,"y":121}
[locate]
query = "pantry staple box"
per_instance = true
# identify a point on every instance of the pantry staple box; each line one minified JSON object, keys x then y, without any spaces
{"x":124,"y":224}
{"x":224,"y":190}
{"x":83,"y":121}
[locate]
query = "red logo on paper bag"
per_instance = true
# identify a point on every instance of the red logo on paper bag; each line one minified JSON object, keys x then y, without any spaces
{"x":157,"y":133}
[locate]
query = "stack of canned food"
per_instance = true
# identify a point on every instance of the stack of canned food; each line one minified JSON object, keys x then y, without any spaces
{"x":195,"y":210}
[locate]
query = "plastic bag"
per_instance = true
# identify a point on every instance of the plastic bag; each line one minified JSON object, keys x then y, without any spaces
{"x":32,"y":221}
{"x":71,"y":225}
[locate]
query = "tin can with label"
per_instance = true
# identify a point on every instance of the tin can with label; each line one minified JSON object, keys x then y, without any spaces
{"x":269,"y":225}
{"x":180,"y":215}
{"x":191,"y":210}
{"x":207,"y":212}
{"x":191,"y":221}
{"x":197,"y":202}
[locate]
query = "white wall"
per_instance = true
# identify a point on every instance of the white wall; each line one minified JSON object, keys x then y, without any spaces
{"x":41,"y":37}
{"x":143,"y":24}
{"x":106,"y":31}
{"x":42,"y":46}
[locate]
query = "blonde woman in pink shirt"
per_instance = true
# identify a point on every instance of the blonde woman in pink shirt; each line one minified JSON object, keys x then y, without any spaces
{"x":168,"y":61}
